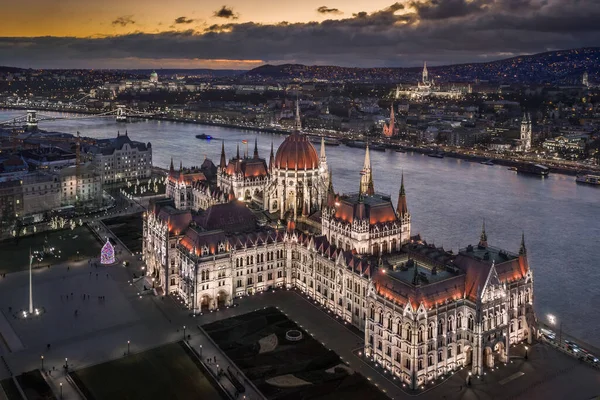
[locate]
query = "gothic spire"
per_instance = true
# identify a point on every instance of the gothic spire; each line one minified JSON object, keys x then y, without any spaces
{"x":523,"y":249}
{"x":298,"y":123}
{"x":223,"y":163}
{"x":255,"y":147}
{"x":271,"y":157}
{"x":238,"y":151}
{"x":171,"y":168}
{"x":366,"y":179}
{"x":402,"y":208}
{"x":323,"y":157}
{"x":483,"y":238}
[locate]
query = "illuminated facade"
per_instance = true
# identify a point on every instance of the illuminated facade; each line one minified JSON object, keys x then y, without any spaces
{"x":425,"y":311}
{"x":427,"y":88}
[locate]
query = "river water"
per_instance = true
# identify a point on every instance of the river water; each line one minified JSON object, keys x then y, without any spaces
{"x":448,"y":199}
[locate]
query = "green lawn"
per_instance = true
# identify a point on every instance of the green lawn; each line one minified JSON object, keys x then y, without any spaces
{"x":67,"y":242}
{"x":166,"y":372}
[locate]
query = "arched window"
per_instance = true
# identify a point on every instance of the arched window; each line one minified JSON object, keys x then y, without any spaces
{"x":409,"y":334}
{"x":429,"y":360}
{"x":458,"y":348}
{"x":420,"y":364}
{"x":441,"y":327}
{"x":430,"y":331}
{"x":450,"y":323}
{"x":372,"y":315}
{"x":440,"y":359}
{"x":459,"y":321}
{"x":470,"y":322}
{"x":420,"y":334}
{"x":394,"y":245}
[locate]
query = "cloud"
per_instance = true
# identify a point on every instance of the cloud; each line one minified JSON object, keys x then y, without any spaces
{"x":398,"y":35}
{"x":226,"y":12}
{"x":327,"y":10}
{"x":124,"y":20}
{"x":184,"y":20}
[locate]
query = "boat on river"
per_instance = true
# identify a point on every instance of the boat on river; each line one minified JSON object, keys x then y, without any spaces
{"x":533,"y":169}
{"x":588,"y":179}
{"x":204,"y":136}
{"x":437,"y":154}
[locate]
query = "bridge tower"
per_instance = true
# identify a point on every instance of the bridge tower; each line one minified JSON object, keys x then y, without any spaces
{"x":32,"y":121}
{"x":121,"y":114}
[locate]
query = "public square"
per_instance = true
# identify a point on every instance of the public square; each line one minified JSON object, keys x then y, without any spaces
{"x":102,"y":329}
{"x":69,"y":245}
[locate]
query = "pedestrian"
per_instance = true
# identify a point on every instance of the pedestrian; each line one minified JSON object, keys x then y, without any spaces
{"x":215,"y":358}
{"x":96,"y":275}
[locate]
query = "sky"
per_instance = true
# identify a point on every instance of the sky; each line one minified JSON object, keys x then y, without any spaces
{"x":243,"y":34}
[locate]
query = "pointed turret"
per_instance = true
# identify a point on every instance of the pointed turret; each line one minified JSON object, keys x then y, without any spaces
{"x":523,"y":249}
{"x":483,"y":238}
{"x":402,"y":208}
{"x":238,"y":152}
{"x":223,"y":163}
{"x":271,"y":158}
{"x":255,"y":147}
{"x":425,"y":73}
{"x":298,"y":122}
{"x":323,"y":156}
{"x":171,"y":168}
{"x":366,"y":179}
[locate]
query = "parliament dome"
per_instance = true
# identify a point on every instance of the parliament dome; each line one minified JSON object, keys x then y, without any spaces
{"x":296,"y":152}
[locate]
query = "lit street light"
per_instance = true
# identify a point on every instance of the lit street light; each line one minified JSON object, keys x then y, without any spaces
{"x":42,"y":357}
{"x":184,"y":332}
{"x":200,"y":351}
{"x":552,"y":319}
{"x":128,"y":342}
{"x":469,"y":378}
{"x":526,"y":348}
{"x":61,"y":395}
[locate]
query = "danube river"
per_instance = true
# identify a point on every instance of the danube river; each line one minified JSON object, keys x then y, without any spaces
{"x":448,"y":199}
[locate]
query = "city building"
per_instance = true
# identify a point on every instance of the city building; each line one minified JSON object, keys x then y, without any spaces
{"x":80,"y":185}
{"x":121,"y":159}
{"x":571,"y":146}
{"x":427,"y":88}
{"x":424,"y":311}
{"x":41,"y":192}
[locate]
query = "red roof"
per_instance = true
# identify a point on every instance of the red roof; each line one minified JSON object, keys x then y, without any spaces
{"x":296,"y":152}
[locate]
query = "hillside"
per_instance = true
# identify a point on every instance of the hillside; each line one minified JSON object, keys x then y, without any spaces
{"x":565,"y":67}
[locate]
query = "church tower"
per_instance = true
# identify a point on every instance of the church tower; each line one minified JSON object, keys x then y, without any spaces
{"x":425,"y":78}
{"x":525,"y":133}
{"x":585,"y":79}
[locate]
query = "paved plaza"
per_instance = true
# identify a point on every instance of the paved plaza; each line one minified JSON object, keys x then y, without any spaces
{"x":102,"y":328}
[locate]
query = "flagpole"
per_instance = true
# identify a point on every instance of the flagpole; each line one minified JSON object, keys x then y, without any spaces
{"x":30,"y":285}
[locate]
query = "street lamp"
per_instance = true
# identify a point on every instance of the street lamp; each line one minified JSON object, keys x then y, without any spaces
{"x":469,"y":378}
{"x":552,"y":319}
{"x":200,"y":351}
{"x":128,"y":342}
{"x":42,"y":357}
{"x":526,"y":348}
{"x":61,"y":396}
{"x":184,"y":332}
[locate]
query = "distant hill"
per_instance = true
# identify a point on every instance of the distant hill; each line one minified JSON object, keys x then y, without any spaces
{"x":10,"y":70}
{"x":563,"y":66}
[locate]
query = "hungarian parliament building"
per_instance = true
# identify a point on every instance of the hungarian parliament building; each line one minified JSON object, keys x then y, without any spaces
{"x":258,"y":225}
